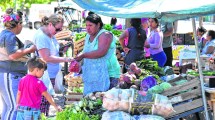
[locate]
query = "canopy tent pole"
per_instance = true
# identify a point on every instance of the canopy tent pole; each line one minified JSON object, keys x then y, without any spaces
{"x":200,"y":68}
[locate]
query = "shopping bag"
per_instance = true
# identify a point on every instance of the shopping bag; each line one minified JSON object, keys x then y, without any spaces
{"x":46,"y":80}
{"x":59,"y":82}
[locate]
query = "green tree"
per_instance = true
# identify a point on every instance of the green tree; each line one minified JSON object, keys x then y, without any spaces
{"x":21,"y":4}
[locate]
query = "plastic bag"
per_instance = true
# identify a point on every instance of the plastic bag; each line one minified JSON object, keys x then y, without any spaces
{"x":118,"y":99}
{"x":116,"y":115}
{"x":74,"y":67}
{"x":148,"y":117}
{"x":46,"y":80}
{"x":59,"y":82}
{"x":162,"y":106}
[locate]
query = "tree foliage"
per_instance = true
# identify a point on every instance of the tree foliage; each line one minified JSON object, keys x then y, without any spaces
{"x":21,"y":4}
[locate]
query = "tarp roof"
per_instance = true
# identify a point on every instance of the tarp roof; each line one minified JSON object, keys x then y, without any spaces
{"x":167,"y":10}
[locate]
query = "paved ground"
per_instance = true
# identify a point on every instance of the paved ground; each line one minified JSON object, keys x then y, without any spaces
{"x":59,"y":100}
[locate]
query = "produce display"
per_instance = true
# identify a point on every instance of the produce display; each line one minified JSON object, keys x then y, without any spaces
{"x":118,"y":99}
{"x":77,"y":89}
{"x":117,"y":33}
{"x":147,"y":83}
{"x":150,"y":65}
{"x":129,"y":100}
{"x":137,"y":96}
{"x":73,"y":80}
{"x":140,"y":72}
{"x":155,"y":104}
{"x":108,"y":27}
{"x":159,"y":88}
{"x":79,"y":36}
{"x":89,"y":108}
{"x":205,"y":73}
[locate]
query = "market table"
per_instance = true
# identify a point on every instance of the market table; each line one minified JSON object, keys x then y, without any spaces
{"x":188,"y":56}
{"x":211,"y":91}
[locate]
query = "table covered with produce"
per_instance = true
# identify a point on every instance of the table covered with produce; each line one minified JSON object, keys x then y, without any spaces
{"x":145,"y":92}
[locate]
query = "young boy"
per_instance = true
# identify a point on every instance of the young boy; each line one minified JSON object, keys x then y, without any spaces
{"x":31,"y":90}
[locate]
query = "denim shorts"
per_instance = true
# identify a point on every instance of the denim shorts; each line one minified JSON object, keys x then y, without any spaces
{"x":27,"y":113}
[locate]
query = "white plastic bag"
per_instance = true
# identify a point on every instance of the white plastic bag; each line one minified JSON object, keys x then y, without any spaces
{"x":46,"y":80}
{"x":116,"y":115}
{"x":162,"y":106}
{"x":150,"y":117}
{"x":59,"y":82}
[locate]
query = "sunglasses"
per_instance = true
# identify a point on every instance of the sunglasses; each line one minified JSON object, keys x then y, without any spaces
{"x":57,"y":29}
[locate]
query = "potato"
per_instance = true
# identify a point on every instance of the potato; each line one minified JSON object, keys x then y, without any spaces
{"x":123,"y":106}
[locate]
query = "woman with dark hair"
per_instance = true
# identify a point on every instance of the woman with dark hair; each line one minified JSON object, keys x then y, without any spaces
{"x":100,"y":68}
{"x":200,"y":32}
{"x":12,"y":62}
{"x":113,"y":21}
{"x":154,"y":43}
{"x":209,"y":47}
{"x":136,"y":38}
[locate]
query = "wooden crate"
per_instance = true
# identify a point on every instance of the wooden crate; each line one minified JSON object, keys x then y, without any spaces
{"x":78,"y":46}
{"x":74,"y":82}
{"x":188,"y":96}
{"x":176,"y":70}
{"x":66,"y":34}
{"x":184,"y":68}
{"x":72,"y":97}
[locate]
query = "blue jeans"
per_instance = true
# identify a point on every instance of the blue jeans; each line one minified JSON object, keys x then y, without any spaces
{"x":160,"y":58}
{"x":27,"y":113}
{"x":8,"y":91}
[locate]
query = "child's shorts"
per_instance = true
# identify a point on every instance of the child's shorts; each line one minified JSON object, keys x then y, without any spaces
{"x":27,"y":113}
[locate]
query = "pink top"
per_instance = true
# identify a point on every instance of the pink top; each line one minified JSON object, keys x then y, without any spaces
{"x":126,"y":39}
{"x":155,"y":40}
{"x":31,"y":89}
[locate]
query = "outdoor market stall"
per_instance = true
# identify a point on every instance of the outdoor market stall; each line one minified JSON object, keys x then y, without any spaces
{"x":158,"y":9}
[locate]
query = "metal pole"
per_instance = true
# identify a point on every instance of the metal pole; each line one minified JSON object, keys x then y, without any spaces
{"x":14,"y":5}
{"x":200,"y":68}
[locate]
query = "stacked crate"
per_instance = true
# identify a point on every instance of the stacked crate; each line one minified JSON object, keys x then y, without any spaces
{"x":65,"y":34}
{"x":78,"y":46}
{"x":186,"y":97}
{"x":73,"y":81}
{"x":72,"y":97}
{"x":176,"y":70}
